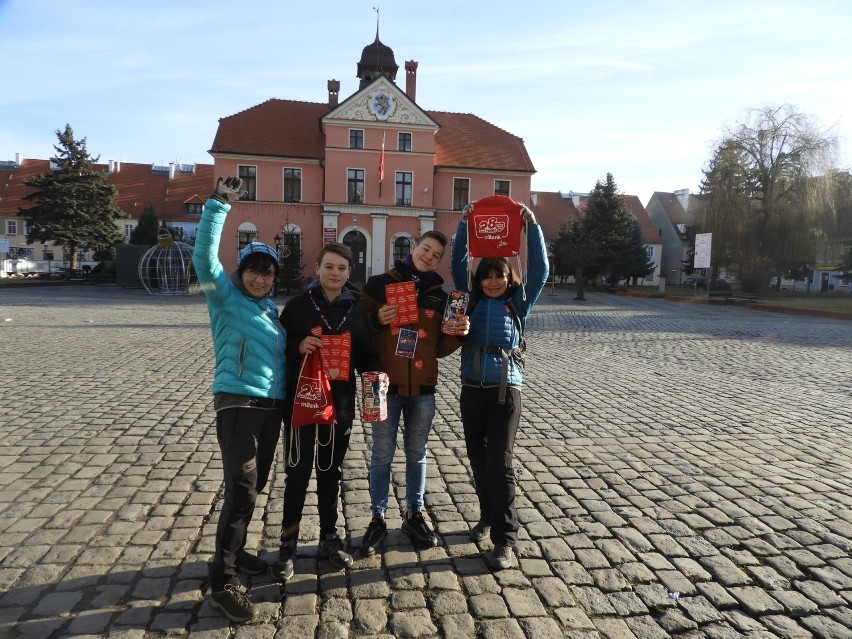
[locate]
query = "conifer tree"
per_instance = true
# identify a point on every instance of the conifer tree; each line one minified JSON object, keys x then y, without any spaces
{"x":145,"y":233}
{"x":74,"y":204}
{"x":608,"y":225}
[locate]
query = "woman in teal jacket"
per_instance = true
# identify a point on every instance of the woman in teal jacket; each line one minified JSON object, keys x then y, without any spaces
{"x":492,"y":376}
{"x":248,"y":390}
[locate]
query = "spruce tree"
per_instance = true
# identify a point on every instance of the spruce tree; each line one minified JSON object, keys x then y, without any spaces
{"x":145,"y":233}
{"x":608,"y":225}
{"x":75,"y":205}
{"x":291,"y":275}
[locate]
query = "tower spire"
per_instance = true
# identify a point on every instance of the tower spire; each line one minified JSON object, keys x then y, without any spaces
{"x":376,"y":9}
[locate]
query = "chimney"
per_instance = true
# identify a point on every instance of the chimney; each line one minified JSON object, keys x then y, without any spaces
{"x":411,"y":79}
{"x":111,"y":166}
{"x":117,"y":166}
{"x":533,"y":198}
{"x":171,"y":171}
{"x":19,"y":159}
{"x":333,"y":90}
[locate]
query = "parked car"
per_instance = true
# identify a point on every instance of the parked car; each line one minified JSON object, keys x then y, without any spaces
{"x":699,"y":282}
{"x":719,"y":284}
{"x":102,"y":272}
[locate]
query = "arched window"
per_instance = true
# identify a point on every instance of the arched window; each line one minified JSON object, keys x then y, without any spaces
{"x":402,"y":246}
{"x":245,"y":234}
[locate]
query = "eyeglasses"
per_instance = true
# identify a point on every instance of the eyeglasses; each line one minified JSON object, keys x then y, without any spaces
{"x":254,"y":274}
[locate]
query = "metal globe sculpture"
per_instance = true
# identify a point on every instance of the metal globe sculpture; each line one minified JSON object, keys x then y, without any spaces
{"x":166,"y":268}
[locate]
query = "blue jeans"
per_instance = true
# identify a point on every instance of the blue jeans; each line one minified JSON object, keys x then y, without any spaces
{"x":417,"y":412}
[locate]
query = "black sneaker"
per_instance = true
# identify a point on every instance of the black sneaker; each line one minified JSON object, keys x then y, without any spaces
{"x":331,"y":548}
{"x":375,"y":536}
{"x":283,"y":569}
{"x":234,"y":602}
{"x":480,"y":532}
{"x":250,"y":564}
{"x":501,"y":558}
{"x":418,"y":531}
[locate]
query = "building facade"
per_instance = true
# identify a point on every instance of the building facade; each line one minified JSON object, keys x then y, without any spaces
{"x":374,"y":171}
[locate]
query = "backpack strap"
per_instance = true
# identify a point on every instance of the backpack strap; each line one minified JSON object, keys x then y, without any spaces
{"x":504,"y":353}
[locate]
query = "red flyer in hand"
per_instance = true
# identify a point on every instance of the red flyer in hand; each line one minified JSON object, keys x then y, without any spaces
{"x":336,"y":353}
{"x":403,"y":295}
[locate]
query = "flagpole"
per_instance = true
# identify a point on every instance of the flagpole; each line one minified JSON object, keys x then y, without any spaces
{"x":382,"y":164}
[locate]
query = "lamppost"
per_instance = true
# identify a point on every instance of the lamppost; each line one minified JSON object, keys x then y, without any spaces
{"x":277,"y":239}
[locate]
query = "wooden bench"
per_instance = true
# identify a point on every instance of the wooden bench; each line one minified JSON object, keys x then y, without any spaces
{"x":735,"y":296}
{"x":741,"y":297}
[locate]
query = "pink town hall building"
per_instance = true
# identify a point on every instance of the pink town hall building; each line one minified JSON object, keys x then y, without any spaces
{"x":374,"y":171}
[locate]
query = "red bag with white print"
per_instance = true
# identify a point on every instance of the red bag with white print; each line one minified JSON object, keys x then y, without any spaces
{"x":312,"y":401}
{"x":494,"y":227}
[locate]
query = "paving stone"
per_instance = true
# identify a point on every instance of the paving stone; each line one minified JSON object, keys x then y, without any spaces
{"x":825,"y":628}
{"x":501,"y":629}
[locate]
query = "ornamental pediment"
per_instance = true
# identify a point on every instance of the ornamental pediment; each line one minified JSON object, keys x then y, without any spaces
{"x":381,"y":102}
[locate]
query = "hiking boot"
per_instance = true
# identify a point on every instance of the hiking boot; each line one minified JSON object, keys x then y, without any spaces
{"x":234,"y":602}
{"x":501,"y":558}
{"x":250,"y":564}
{"x":418,"y":531}
{"x":480,"y":532}
{"x":331,"y":548}
{"x":283,"y":569}
{"x":375,"y":536}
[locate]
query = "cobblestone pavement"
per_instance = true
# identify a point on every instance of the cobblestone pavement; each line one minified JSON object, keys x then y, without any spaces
{"x":684,"y":471}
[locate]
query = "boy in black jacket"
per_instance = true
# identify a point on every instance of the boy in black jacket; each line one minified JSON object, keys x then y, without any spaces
{"x":329,"y":307}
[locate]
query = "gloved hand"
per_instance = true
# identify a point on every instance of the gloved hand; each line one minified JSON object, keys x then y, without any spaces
{"x":228,"y":190}
{"x":527,"y":214}
{"x":467,"y":209}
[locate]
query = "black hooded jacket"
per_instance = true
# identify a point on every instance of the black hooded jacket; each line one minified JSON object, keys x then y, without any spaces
{"x":300,"y":317}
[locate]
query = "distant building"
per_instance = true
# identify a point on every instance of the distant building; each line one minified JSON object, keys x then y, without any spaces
{"x":553,"y":209}
{"x":176,"y":192}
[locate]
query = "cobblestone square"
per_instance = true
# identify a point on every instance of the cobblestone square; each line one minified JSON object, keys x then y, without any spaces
{"x":684,"y":470}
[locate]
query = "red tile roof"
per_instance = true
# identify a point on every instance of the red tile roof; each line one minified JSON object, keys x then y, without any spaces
{"x":467,"y":141}
{"x":551,"y":210}
{"x":137,"y":185}
{"x":12,"y":188}
{"x":650,"y":235}
{"x":277,"y":128}
{"x":290,"y":128}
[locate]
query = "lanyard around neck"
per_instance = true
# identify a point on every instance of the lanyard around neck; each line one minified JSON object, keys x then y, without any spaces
{"x":323,"y":317}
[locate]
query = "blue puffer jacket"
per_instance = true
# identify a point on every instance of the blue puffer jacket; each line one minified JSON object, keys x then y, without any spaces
{"x":248,"y":339}
{"x":492,"y":323}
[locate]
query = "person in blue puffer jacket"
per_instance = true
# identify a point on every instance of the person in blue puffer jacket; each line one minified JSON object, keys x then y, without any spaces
{"x":248,"y":390}
{"x":492,"y":375}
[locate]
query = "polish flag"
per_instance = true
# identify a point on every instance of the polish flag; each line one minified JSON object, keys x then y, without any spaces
{"x":382,"y":160}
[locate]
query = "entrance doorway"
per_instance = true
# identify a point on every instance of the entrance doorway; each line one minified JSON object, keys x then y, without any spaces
{"x":357,"y":243}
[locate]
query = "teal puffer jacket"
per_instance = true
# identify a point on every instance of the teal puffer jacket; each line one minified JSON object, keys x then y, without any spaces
{"x":248,"y":339}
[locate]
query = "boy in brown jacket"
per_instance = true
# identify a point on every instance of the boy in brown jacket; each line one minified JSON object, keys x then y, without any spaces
{"x":409,"y":355}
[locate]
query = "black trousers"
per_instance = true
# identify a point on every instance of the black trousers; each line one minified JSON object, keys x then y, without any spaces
{"x":330,"y":450}
{"x":489,"y":434}
{"x":247,"y":438}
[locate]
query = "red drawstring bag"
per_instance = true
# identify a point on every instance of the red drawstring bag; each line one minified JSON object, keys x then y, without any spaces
{"x":494,"y":227}
{"x":312,"y":403}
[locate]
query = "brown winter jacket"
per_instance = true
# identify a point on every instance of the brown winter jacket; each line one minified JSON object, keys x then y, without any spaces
{"x":418,"y":375}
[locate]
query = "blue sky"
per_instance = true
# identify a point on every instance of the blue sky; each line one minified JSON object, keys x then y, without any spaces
{"x":640,"y":89}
